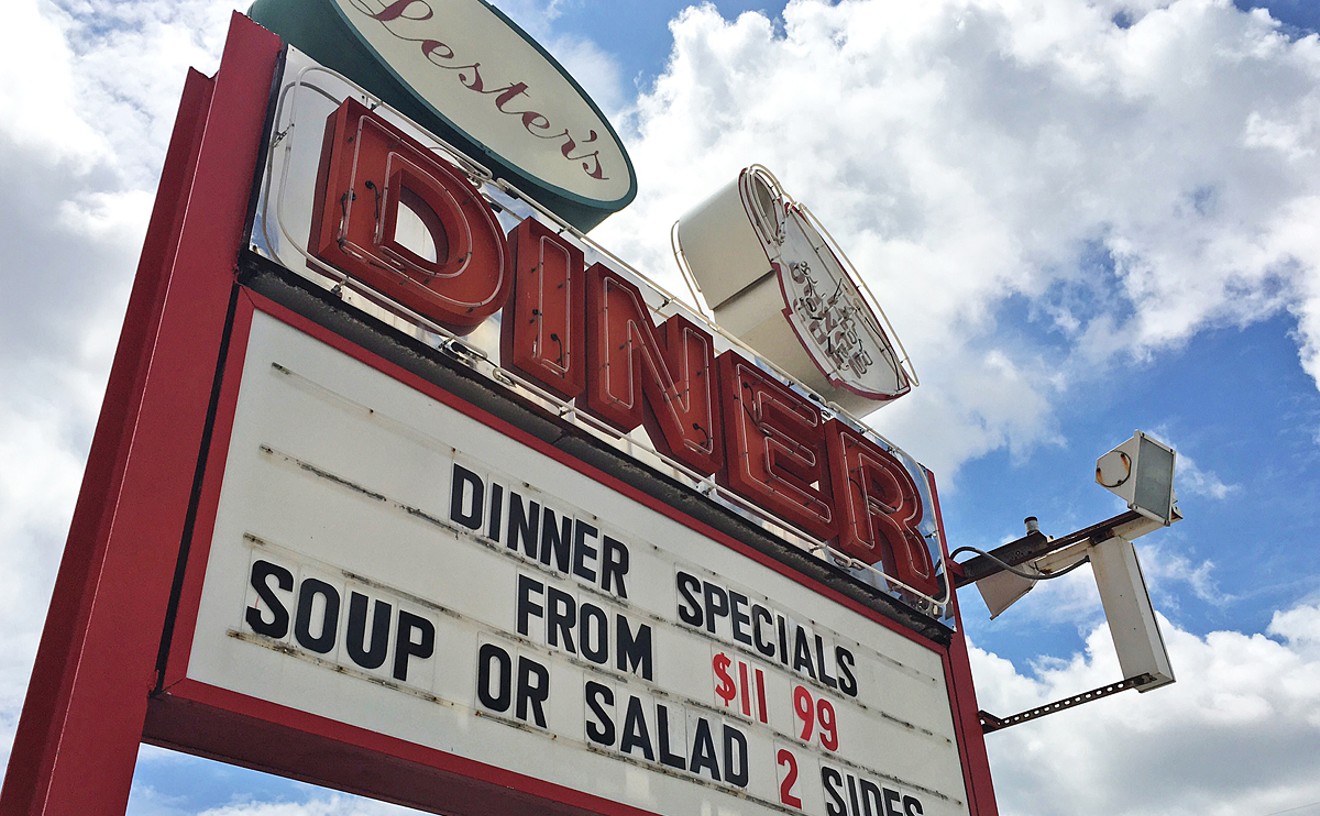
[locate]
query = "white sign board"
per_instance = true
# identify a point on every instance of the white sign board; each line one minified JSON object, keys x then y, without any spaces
{"x":386,"y":557}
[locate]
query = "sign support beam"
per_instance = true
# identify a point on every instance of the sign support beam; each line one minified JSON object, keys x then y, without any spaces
{"x":1036,"y":544}
{"x":77,"y":739}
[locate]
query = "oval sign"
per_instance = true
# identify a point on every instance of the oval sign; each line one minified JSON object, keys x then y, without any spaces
{"x":464,"y":71}
{"x":775,"y":279}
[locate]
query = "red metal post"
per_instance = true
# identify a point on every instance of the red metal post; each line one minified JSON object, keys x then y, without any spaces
{"x":962,"y":701}
{"x":82,"y":721}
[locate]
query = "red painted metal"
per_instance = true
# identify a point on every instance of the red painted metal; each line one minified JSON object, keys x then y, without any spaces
{"x":962,"y":700}
{"x":179,"y":646}
{"x":266,"y":736}
{"x":775,"y":453}
{"x":541,"y":334}
{"x":661,"y":378}
{"x":82,"y":722}
{"x":880,"y":509}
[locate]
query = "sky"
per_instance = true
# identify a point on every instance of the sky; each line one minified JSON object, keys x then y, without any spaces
{"x":1083,"y":217}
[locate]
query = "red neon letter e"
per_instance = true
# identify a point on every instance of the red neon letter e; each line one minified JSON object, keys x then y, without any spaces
{"x":880,"y":509}
{"x":775,"y":450}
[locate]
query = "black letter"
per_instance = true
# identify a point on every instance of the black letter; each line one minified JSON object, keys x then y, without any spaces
{"x":825,"y":676}
{"x":524,"y":524}
{"x":802,"y":652}
{"x":495,"y":698}
{"x":687,"y":585}
{"x":556,"y":540}
{"x":735,"y":761}
{"x":593,"y":634}
{"x":601,"y":729}
{"x":404,"y":645}
{"x":561,"y":614}
{"x":759,"y":614}
{"x":466,"y":485}
{"x":615,"y":557}
{"x":830,"y":779}
{"x":278,"y":626}
{"x":710,"y":593}
{"x":740,"y":618}
{"x":703,"y":750}
{"x":302,"y":625}
{"x":635,"y":732}
{"x":524,"y":607}
{"x":871,"y":798}
{"x":634,"y":651}
{"x":891,"y":802}
{"x":582,"y":550}
{"x":667,"y":757}
{"x":496,"y":511}
{"x":532,"y":692}
{"x":373,"y":657}
{"x":847,"y":680}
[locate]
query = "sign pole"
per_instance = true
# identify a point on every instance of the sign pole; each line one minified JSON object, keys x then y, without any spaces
{"x":77,"y":739}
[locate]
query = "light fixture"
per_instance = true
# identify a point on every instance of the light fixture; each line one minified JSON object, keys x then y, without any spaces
{"x":1140,"y":472}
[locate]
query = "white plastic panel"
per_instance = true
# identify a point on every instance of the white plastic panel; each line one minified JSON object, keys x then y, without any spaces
{"x":344,"y":487}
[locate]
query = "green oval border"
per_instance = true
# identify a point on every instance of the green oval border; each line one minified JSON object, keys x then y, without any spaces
{"x":304,"y":24}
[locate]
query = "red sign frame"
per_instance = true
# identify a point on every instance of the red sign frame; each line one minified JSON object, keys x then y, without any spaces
{"x":77,"y":738}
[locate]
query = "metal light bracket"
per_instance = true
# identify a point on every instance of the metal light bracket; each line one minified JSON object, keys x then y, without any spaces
{"x":1128,"y":611}
{"x":990,"y":722}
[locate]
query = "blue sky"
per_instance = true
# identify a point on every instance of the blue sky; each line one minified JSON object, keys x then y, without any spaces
{"x":1079,"y":228}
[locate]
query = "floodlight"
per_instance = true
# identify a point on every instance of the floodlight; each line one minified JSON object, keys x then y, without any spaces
{"x":1140,"y":472}
{"x":1142,"y":655}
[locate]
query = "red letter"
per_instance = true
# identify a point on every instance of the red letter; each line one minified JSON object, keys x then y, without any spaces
{"x":880,"y":508}
{"x":636,"y":379}
{"x":775,"y":450}
{"x":396,"y":10}
{"x":369,"y":171}
{"x":541,"y":334}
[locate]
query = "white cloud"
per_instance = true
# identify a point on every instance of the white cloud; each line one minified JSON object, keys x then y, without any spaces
{"x":88,"y":92}
{"x":1235,"y":734}
{"x":1198,"y":482}
{"x":129,"y":61}
{"x":330,"y":806}
{"x":147,"y":801}
{"x":584,"y":60}
{"x":1165,"y":568}
{"x":1136,"y":184}
{"x":43,"y":113}
{"x":1191,"y":478}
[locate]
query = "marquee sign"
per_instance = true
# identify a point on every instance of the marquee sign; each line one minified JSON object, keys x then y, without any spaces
{"x":386,"y":557}
{"x":412,"y":491}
